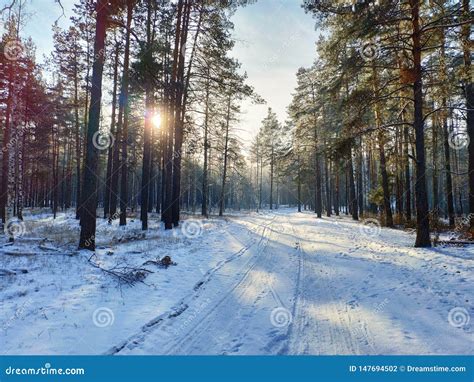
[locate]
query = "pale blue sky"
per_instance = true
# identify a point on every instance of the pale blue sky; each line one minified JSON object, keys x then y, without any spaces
{"x":273,"y":39}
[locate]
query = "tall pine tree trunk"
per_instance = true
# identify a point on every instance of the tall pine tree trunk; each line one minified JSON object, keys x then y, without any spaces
{"x":421,"y":195}
{"x":272,"y":160}
{"x":352,"y":189}
{"x":449,"y":179}
{"x":126,"y":113}
{"x":6,"y":146}
{"x":299,"y":183}
{"x":406,"y":138}
{"x":469,"y":91}
{"x":434,"y":177}
{"x":205,"y":197}
{"x":77,"y":136}
{"x":147,"y":133}
{"x":226,"y":153}
{"x":172,"y":120}
{"x":89,"y":193}
{"x":110,"y":153}
{"x":383,"y":160}
{"x":328,"y":187}
{"x":179,"y":115}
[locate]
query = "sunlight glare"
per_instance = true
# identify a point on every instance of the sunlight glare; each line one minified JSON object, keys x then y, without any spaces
{"x":156,"y":120}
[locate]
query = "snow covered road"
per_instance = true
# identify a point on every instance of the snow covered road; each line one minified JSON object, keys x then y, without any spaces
{"x":311,"y":286}
{"x":269,"y":283}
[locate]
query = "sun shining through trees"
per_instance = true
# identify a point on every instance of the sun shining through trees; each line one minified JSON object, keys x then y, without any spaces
{"x":349,"y":141}
{"x":156,"y":120}
{"x":127,"y":154}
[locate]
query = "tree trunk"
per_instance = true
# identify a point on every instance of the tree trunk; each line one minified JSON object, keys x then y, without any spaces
{"x":272,"y":158}
{"x":469,"y":91}
{"x":407,"y":174}
{"x":352,"y":189}
{"x":360,"y":185}
{"x":299,"y":184}
{"x":89,"y":198}
{"x":179,"y":116}
{"x":318,"y":200}
{"x":147,"y":132}
{"x":328,"y":188}
{"x":172,"y":122}
{"x":383,"y":160}
{"x":449,"y":180}
{"x":126,"y":112}
{"x":204,"y":211}
{"x":421,"y":196}
{"x":434,"y":177}
{"x":336,"y":193}
{"x":77,"y":136}
{"x":110,"y":153}
{"x":6,"y":147}
{"x":226,"y":149}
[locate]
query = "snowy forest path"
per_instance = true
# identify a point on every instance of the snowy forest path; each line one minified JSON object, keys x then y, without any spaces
{"x":274,"y":282}
{"x":318,"y":286}
{"x":171,"y":328}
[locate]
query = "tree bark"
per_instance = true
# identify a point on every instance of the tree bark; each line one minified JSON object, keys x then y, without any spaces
{"x":299,"y":184}
{"x":77,"y":135}
{"x":449,"y":180}
{"x":383,"y":160}
{"x":226,"y":152}
{"x":205,"y":197}
{"x":126,"y":113}
{"x":110,"y":153}
{"x":469,"y":91}
{"x":407,"y":174}
{"x":272,"y":160}
{"x":89,"y":194}
{"x":352,"y":189}
{"x":6,"y":146}
{"x":421,"y":196}
{"x":328,"y":188}
{"x":147,"y":132}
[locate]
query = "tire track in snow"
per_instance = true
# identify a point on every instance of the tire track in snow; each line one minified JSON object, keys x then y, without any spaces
{"x":299,"y":320}
{"x":202,"y":326}
{"x":309,"y":330}
{"x":134,"y":340}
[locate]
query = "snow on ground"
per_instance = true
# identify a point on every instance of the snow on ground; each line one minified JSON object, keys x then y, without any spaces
{"x":267,"y":283}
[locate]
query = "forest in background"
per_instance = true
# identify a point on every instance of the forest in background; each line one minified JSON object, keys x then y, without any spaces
{"x":135,"y":111}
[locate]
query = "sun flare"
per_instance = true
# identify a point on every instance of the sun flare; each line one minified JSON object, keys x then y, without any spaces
{"x":156,"y":120}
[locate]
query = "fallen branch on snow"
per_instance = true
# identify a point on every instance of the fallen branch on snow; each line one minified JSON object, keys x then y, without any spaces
{"x":42,"y":245}
{"x":18,"y":253}
{"x":455,"y":242}
{"x":13,"y":272}
{"x":124,"y":274}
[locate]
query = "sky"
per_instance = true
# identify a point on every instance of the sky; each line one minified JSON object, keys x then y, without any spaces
{"x":273,"y":39}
